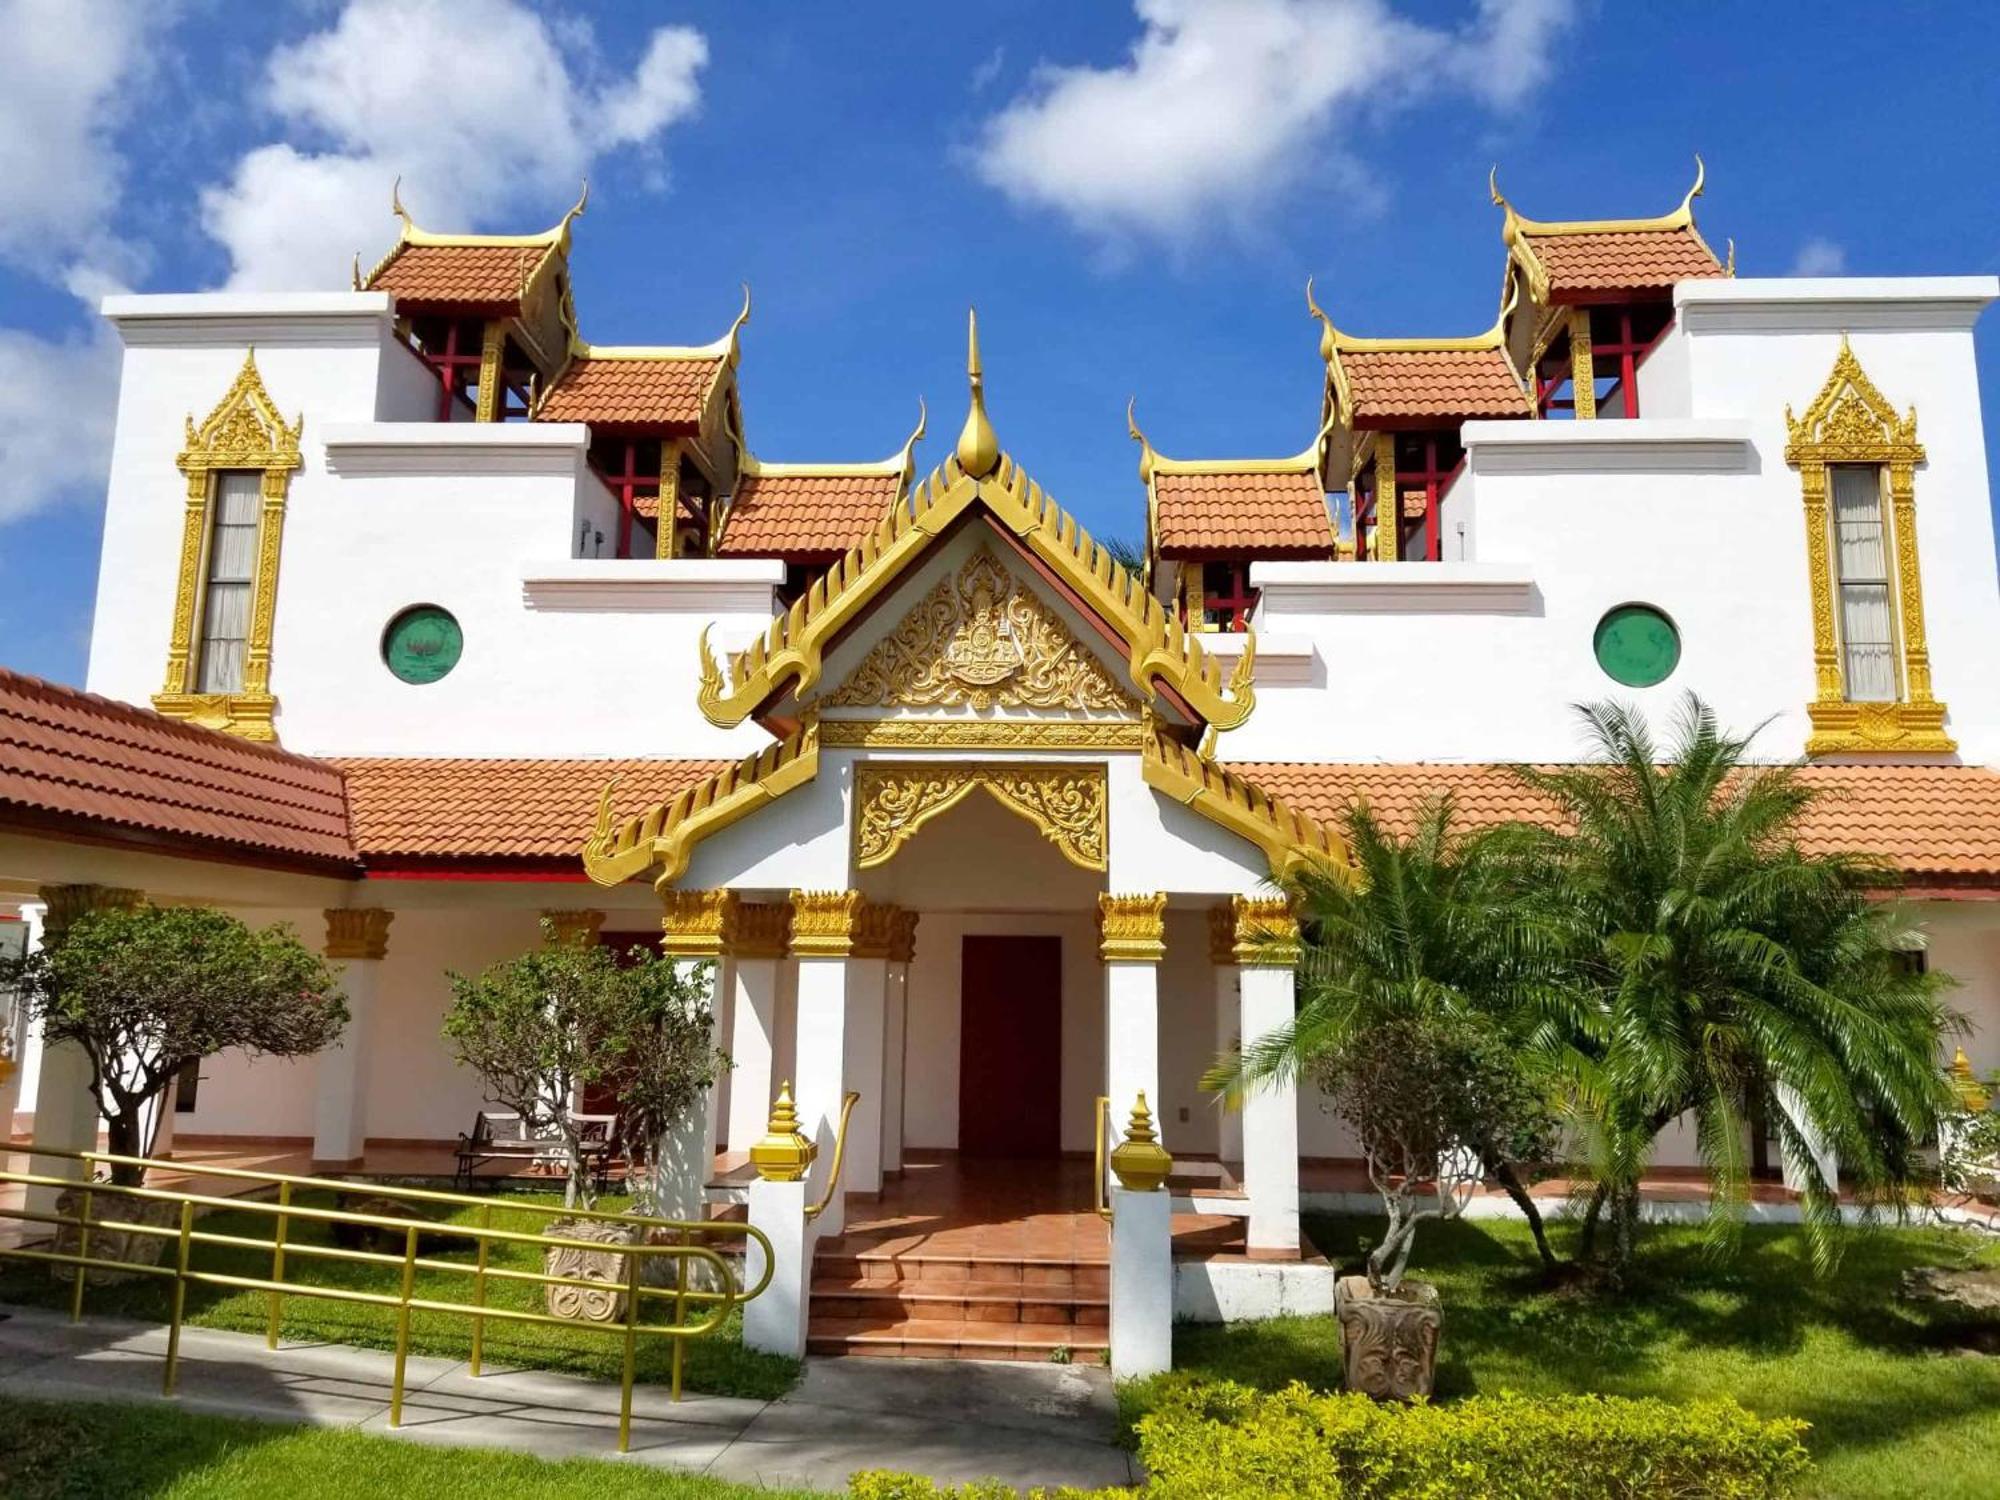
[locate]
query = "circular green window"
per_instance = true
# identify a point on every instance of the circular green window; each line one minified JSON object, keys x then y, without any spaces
{"x":422,"y":644}
{"x":1637,"y":645}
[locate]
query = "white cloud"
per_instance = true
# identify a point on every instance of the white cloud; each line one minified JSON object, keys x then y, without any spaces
{"x":1820,"y":257}
{"x":56,"y":404}
{"x":481,"y":106}
{"x":1223,"y":103}
{"x":68,"y":76}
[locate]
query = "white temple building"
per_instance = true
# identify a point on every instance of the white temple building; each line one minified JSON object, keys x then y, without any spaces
{"x":420,"y":618}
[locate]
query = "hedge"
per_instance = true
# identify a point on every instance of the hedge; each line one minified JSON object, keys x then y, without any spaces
{"x":1218,"y":1438}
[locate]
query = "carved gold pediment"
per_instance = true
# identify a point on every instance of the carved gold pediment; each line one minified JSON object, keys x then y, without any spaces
{"x":981,"y":639}
{"x":1068,"y":804}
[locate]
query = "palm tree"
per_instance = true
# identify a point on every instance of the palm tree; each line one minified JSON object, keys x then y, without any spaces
{"x":1429,"y":928}
{"x":1716,"y":965}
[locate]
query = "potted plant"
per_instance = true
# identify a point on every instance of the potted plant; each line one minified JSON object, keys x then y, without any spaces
{"x":1419,"y":1093}
{"x":142,"y":989}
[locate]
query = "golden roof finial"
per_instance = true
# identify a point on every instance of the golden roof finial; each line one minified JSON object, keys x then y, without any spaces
{"x":916,"y":436}
{"x":1326,"y":330}
{"x":396,"y":203}
{"x":1146,"y":453}
{"x":1700,"y":177}
{"x":978,"y":445}
{"x":582,"y":202}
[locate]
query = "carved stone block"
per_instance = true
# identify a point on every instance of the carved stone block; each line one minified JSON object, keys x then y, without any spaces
{"x":1388,"y":1343}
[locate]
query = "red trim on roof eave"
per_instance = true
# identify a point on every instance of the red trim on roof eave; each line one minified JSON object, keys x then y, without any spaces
{"x":479,"y":868}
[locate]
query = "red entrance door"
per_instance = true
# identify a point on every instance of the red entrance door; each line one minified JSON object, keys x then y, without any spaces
{"x":1010,"y":1046}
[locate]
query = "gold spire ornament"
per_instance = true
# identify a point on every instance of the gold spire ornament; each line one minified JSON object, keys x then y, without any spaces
{"x":978,"y":445}
{"x":1141,"y":1162}
{"x":785,"y":1154}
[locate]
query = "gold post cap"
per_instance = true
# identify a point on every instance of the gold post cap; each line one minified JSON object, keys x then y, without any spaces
{"x":1141,"y":1162}
{"x":785,"y":1154}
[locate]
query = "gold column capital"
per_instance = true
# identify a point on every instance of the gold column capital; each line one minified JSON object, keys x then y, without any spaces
{"x":752,"y":929}
{"x":1264,"y":933}
{"x":65,"y":903}
{"x":824,"y":923}
{"x":692,"y":923}
{"x":1132,"y":928}
{"x":357,"y":931}
{"x":567,"y":927}
{"x":903,"y":949}
{"x":875,"y":931}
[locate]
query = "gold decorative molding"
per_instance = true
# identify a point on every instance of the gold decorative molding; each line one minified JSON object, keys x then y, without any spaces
{"x":663,"y":838}
{"x":570,"y":926}
{"x":358,"y":932}
{"x":1068,"y":803}
{"x":1132,"y":929}
{"x":667,"y":509}
{"x":693,"y":924}
{"x":979,"y":640}
{"x":824,"y":923}
{"x":875,"y":931}
{"x":1287,"y":837}
{"x":903,"y":947}
{"x":1582,"y":365}
{"x":245,"y":431}
{"x":790,"y":656}
{"x":756,"y":930}
{"x":983,"y":734}
{"x":1264,"y":932}
{"x":1388,"y":527}
{"x":1221,"y":936}
{"x":492,"y":355}
{"x":63,"y":904}
{"x":1850,"y":421}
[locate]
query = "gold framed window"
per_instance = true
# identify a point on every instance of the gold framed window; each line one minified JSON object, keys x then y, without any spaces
{"x":1857,"y":460}
{"x":238,"y":463}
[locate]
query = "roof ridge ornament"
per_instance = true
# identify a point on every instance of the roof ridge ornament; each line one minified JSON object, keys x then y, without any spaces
{"x":978,"y":445}
{"x":1147,"y":457}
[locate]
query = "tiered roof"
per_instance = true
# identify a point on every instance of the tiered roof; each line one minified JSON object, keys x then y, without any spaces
{"x":1585,"y":260}
{"x":812,"y":513}
{"x":1223,"y":507}
{"x":669,"y":390}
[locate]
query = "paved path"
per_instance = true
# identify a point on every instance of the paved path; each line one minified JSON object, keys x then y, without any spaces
{"x":1026,"y":1424}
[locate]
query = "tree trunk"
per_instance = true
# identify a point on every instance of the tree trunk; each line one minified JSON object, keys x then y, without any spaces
{"x":1509,"y":1178}
{"x":1586,"y":1246}
{"x":123,"y":1131}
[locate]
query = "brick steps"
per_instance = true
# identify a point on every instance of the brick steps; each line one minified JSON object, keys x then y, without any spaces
{"x":882,"y":1298}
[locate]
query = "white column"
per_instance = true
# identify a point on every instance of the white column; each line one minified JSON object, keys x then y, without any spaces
{"x":866,"y":1042}
{"x":66,"y":1113}
{"x":1823,"y":1155}
{"x":775,"y":1321}
{"x":1142,"y":1282}
{"x":1228,"y":1024}
{"x":358,"y":940}
{"x":1131,"y":940}
{"x":895,"y":1043}
{"x":1266,"y":949}
{"x":753,"y":1038}
{"x":822,"y":936}
{"x":28,"y":1045}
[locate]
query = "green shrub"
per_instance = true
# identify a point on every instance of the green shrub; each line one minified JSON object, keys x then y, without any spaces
{"x":886,"y":1484}
{"x":1218,"y":1438}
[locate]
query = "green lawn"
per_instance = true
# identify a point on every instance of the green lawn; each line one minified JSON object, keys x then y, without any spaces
{"x":1894,"y":1410}
{"x":71,"y":1452}
{"x":718,"y":1363}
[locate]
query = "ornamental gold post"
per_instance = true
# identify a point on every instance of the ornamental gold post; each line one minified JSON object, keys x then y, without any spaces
{"x":666,"y":519}
{"x":1582,"y":365}
{"x":1388,"y":503}
{"x":492,"y":354}
{"x":785,"y":1154}
{"x":1140,"y":1161}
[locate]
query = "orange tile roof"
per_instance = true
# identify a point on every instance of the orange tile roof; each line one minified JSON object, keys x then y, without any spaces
{"x":1622,"y":260}
{"x":1931,"y":822}
{"x":1212,"y":511}
{"x":1398,"y":384}
{"x":72,"y":761}
{"x":633,"y":391}
{"x":459,"y":276}
{"x":416,"y":808}
{"x":805,"y":516}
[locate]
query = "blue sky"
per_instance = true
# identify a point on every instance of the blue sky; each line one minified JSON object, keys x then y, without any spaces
{"x":1133,"y":194}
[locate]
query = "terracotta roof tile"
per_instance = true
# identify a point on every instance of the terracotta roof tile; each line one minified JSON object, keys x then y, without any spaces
{"x":464,"y":276}
{"x":1928,"y":821}
{"x":1622,"y":260}
{"x":1390,"y":384}
{"x":66,"y":754}
{"x":647,"y":391}
{"x":1233,"y":511}
{"x":805,"y":516}
{"x":416,"y":808}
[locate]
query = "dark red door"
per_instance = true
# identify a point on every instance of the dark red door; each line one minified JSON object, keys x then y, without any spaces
{"x":1010,"y":1047}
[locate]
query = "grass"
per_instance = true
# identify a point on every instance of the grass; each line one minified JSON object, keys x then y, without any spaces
{"x":70,"y":1452}
{"x":1895,"y":1408}
{"x":717,"y":1364}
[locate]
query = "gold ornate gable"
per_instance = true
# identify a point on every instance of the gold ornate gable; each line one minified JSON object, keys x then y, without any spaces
{"x":1067,"y":803}
{"x":245,"y":431}
{"x":1850,"y":421}
{"x":979,"y":640}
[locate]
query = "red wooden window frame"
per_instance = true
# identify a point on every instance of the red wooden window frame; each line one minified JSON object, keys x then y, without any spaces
{"x":629,"y":484}
{"x":1235,"y":600}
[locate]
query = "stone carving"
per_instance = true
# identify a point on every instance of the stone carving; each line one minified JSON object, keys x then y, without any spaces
{"x":128,"y":1246}
{"x":592,"y":1304}
{"x":1388,"y":1343}
{"x":978,"y":640}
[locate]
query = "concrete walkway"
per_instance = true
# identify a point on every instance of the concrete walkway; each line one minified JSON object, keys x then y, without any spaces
{"x":1026,"y":1424}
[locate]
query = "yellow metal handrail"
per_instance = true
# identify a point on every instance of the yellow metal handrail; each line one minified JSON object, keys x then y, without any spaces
{"x":839,"y":1155}
{"x":1100,"y":1194}
{"x":712,"y":1306}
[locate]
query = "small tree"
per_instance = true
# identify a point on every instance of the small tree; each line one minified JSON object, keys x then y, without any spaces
{"x":544,"y":1026}
{"x":668,"y":1062}
{"x":1423,"y":1095}
{"x":144,"y":989}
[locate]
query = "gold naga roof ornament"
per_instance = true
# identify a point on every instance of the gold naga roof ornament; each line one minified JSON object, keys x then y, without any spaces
{"x":788,"y":658}
{"x":1289,"y":839}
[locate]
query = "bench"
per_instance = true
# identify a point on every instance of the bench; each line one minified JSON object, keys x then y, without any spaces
{"x":503,"y":1136}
